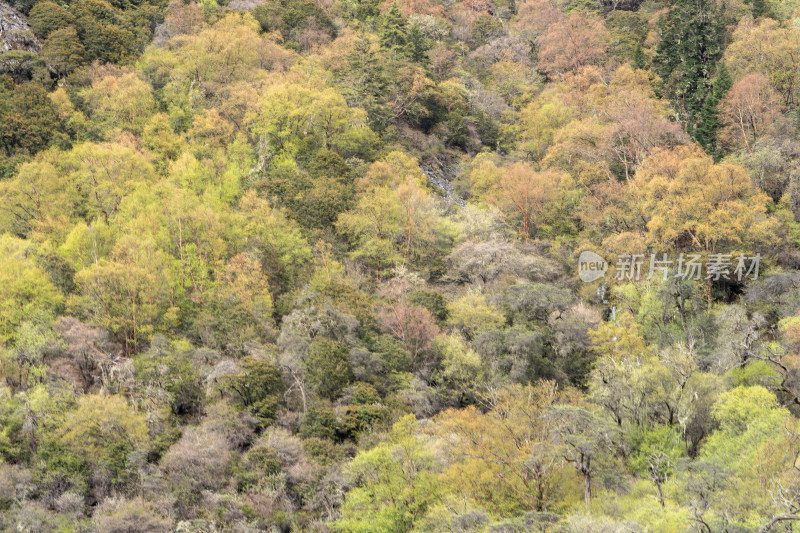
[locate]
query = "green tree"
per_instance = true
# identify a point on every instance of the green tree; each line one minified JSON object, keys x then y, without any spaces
{"x":367,"y":9}
{"x":327,"y":367}
{"x":656,"y":454}
{"x":394,"y":30}
{"x":130,"y":294}
{"x":472,"y":314}
{"x":258,"y":387}
{"x":295,"y":121}
{"x":365,"y":83}
{"x":396,"y":484}
{"x":291,"y":17}
{"x":27,"y":118}
{"x":63,"y":51}
{"x":47,"y":17}
{"x":167,"y":368}
{"x":417,"y":45}
{"x":692,"y":41}
{"x":25,"y":288}
{"x":758,"y":7}
{"x":741,"y":455}
{"x":432,"y":301}
{"x":707,"y":129}
{"x":239,"y":307}
{"x":373,"y":227}
{"x":104,"y":32}
{"x":22,"y":364}
{"x":275,"y":240}
{"x":104,"y":431}
{"x":586,"y":434}
{"x":639,"y":59}
{"x":314,"y":197}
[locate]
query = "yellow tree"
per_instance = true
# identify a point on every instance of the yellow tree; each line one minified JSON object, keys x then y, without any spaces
{"x":539,"y":121}
{"x":119,"y":99}
{"x":524,"y":194}
{"x":25,"y":289}
{"x":418,"y":215}
{"x":131,"y":294}
{"x":765,"y":46}
{"x":56,"y":188}
{"x":692,"y":204}
{"x":505,"y":460}
{"x":395,"y":483}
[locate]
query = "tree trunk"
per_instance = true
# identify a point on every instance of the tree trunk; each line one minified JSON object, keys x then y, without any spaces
{"x":660,"y":492}
{"x":587,"y":490}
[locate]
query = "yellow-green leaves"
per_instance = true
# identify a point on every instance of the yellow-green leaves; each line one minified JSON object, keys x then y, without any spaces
{"x":693,"y":204}
{"x":395,"y":484}
{"x":472,"y":314}
{"x":25,"y":289}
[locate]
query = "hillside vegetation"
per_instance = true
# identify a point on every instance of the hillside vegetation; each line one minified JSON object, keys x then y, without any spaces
{"x":286,"y":265}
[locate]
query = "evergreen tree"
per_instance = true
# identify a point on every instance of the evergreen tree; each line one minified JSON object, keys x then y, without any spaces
{"x":367,"y":9}
{"x":692,"y":41}
{"x":706,"y":131}
{"x":758,"y":7}
{"x":394,"y":30}
{"x":723,"y":82}
{"x":365,"y":84}
{"x":417,"y":45}
{"x":639,"y":59}
{"x":63,"y":51}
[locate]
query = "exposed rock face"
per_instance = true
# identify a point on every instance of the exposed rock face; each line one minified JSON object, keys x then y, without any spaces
{"x":15,"y":34}
{"x":439,"y":176}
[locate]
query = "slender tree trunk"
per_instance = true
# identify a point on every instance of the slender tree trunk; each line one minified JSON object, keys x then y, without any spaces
{"x":660,"y":491}
{"x":587,"y":489}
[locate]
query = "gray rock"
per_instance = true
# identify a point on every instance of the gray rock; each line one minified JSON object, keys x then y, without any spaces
{"x":15,"y":33}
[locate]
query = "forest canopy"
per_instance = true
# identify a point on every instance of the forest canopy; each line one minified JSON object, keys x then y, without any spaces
{"x":319,"y":266}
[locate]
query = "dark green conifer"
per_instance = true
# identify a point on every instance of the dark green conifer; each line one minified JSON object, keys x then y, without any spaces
{"x":417,"y":45}
{"x":394,"y":30}
{"x":692,"y":41}
{"x":639,"y":59}
{"x":706,"y":131}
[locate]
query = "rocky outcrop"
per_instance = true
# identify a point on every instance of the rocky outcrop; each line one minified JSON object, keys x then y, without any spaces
{"x":15,"y":34}
{"x":440,"y":177}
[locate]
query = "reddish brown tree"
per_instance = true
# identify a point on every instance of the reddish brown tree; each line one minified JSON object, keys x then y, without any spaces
{"x":415,"y":7}
{"x":571,"y":43}
{"x":412,"y":325}
{"x":748,"y":109}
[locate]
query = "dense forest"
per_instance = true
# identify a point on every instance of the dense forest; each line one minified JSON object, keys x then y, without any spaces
{"x":318,"y":266}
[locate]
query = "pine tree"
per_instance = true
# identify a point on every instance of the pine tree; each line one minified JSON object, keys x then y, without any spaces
{"x":367,"y":9}
{"x":417,"y":45}
{"x":394,"y":30}
{"x":639,"y":59}
{"x":706,"y":131}
{"x":692,"y":41}
{"x":366,"y":84}
{"x":758,"y":7}
{"x":723,"y":82}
